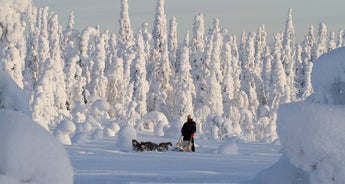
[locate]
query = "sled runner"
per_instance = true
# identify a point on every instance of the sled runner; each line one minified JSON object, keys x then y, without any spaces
{"x":183,"y":146}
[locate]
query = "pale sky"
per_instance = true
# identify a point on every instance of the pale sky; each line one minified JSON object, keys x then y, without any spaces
{"x":235,"y":15}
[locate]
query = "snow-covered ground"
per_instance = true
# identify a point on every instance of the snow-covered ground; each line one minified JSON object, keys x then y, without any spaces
{"x":102,"y":162}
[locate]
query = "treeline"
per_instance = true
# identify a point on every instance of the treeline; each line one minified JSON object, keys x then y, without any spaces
{"x":232,"y":85}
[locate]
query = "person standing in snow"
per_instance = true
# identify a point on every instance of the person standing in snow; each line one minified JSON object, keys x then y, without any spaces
{"x":188,"y":130}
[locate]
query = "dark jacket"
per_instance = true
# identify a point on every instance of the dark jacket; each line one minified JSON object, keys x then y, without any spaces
{"x":188,"y":129}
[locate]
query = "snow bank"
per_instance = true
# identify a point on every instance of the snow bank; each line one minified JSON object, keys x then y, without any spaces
{"x":228,"y":148}
{"x":30,"y":154}
{"x":125,"y":136}
{"x":155,"y":122}
{"x":312,"y":132}
{"x":282,"y":172}
{"x":313,"y":136}
{"x":11,"y":96}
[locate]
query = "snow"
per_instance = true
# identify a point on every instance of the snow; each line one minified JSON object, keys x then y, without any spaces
{"x":103,"y":162}
{"x":28,"y":153}
{"x":312,"y":132}
{"x":99,"y":150}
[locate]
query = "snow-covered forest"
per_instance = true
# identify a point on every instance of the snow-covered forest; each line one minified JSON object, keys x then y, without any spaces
{"x":83,"y":82}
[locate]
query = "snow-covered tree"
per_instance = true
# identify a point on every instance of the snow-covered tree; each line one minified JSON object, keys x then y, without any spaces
{"x":31,"y":60}
{"x":12,"y":41}
{"x":279,"y":86}
{"x":184,"y":87}
{"x":87,"y":51}
{"x":60,"y":98}
{"x":125,"y":43}
{"x":340,"y":41}
{"x":173,"y":45}
{"x":288,"y":54}
{"x":227,"y":83}
{"x":126,"y":39}
{"x":213,"y":79}
{"x":141,"y":85}
{"x":331,"y":42}
{"x":160,"y":87}
{"x":321,"y":45}
{"x":197,"y":47}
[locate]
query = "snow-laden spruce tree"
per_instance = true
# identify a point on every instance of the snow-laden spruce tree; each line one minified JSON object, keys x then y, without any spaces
{"x":87,"y":51}
{"x":71,"y":56}
{"x":147,"y":36}
{"x":228,"y":81}
{"x":279,"y":86}
{"x":215,"y":78}
{"x":125,"y":39}
{"x":203,"y":88}
{"x":288,"y":55}
{"x":116,"y":88}
{"x":340,"y":41}
{"x":321,"y":46}
{"x":159,"y":98}
{"x":99,"y":81}
{"x":260,"y":46}
{"x":54,"y":30}
{"x":184,"y":91}
{"x":140,"y":84}
{"x":173,"y":45}
{"x":31,"y":60}
{"x":13,"y":44}
{"x":43,"y":39}
{"x":266,"y":72}
{"x":331,"y":41}
{"x":49,"y":101}
{"x":235,"y":64}
{"x":197,"y":48}
{"x":125,"y":48}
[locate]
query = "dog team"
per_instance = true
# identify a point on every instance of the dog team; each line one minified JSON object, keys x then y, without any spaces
{"x":150,"y":146}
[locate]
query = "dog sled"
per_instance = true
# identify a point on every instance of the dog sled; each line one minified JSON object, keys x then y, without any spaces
{"x":183,"y":146}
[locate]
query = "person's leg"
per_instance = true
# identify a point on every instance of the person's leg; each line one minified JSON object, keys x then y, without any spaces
{"x":192,"y":140}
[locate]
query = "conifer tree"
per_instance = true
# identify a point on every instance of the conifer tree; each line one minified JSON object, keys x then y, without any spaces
{"x":331,"y":42}
{"x":288,"y":56}
{"x":321,"y":45}
{"x":12,"y":39}
{"x":227,"y":83}
{"x":141,"y":85}
{"x":279,"y":91}
{"x":172,"y":44}
{"x":340,"y":41}
{"x":160,"y":87}
{"x":125,"y":34}
{"x":185,"y":90}
{"x":60,"y":97}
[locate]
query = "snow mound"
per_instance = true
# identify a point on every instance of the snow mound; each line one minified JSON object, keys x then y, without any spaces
{"x":154,"y":122}
{"x":314,"y":138}
{"x":228,"y":148}
{"x":312,"y":132}
{"x":282,"y":172}
{"x":30,"y":154}
{"x":126,"y":135}
{"x":328,"y":78}
{"x":11,"y":96}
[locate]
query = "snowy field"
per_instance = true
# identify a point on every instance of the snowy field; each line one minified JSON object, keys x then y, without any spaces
{"x":102,"y":163}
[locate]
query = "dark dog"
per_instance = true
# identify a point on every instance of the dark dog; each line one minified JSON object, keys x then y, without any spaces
{"x":136,"y":145}
{"x":164,"y":146}
{"x":149,"y":146}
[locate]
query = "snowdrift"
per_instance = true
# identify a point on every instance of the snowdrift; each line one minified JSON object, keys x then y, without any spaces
{"x":312,"y":132}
